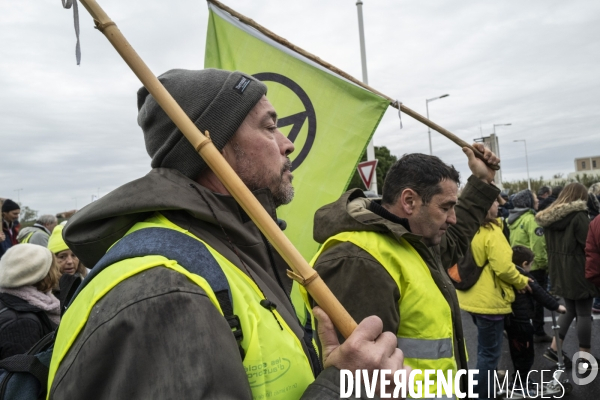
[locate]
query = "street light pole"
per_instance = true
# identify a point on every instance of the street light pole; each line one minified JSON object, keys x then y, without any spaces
{"x":18,"y":195}
{"x":526,"y":162}
{"x":428,"y":128}
{"x":361,"y":33}
{"x":496,"y":149}
{"x":363,"y":60}
{"x":495,"y":125}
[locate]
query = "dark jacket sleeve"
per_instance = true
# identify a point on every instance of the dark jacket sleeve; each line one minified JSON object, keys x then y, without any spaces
{"x":18,"y":336}
{"x":542,"y":296}
{"x":592,"y":253}
{"x":361,"y":284}
{"x":155,"y":335}
{"x":582,"y":228}
{"x":473,"y":205}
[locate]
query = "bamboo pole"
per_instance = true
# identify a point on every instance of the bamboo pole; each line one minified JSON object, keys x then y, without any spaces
{"x":302,"y":271}
{"x":334,"y":69}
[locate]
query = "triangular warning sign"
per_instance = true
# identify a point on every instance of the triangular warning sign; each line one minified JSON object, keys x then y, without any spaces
{"x":366,"y":169}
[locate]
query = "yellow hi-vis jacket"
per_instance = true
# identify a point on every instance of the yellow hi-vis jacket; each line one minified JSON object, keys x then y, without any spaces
{"x":425,"y":333}
{"x":275,"y":362}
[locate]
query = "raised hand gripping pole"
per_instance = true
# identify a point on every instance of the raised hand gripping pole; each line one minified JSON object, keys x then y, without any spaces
{"x":302,"y":272}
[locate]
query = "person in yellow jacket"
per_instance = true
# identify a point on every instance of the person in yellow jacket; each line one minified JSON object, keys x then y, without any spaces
{"x":489,"y":300}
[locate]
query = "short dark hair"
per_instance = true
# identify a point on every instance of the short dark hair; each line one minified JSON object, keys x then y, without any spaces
{"x":556,"y":191}
{"x":543,"y":190}
{"x":419,"y":172}
{"x":521,"y":254}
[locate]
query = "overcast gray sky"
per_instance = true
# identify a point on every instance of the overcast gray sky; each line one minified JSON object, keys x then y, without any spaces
{"x":68,"y":131}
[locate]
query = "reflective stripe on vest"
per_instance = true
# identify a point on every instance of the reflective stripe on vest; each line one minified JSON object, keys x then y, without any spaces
{"x":425,"y":334}
{"x":275,"y":362}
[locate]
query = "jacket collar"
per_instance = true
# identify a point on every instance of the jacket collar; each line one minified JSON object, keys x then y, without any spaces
{"x":96,"y":227}
{"x":17,"y":304}
{"x":42,"y":227}
{"x":556,"y":213}
{"x":351,"y":213}
{"x":517,"y":213}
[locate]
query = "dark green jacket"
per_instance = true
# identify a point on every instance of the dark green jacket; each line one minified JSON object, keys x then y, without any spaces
{"x":156,"y":334}
{"x":566,"y":227}
{"x":364,"y":287}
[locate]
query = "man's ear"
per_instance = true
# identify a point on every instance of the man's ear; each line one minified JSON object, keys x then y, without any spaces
{"x":228,"y":153}
{"x":408,"y":201}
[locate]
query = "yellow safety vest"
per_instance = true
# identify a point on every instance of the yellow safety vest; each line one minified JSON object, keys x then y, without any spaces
{"x":27,"y":238}
{"x":275,"y":362}
{"x":425,"y":334}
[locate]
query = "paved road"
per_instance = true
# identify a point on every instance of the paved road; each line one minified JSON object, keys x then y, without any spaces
{"x":589,"y":392}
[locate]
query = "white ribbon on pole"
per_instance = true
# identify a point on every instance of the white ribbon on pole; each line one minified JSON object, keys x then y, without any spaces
{"x":67,"y":4}
{"x":397,"y":104}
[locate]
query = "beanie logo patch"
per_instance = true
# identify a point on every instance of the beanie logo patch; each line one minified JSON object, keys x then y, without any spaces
{"x":242,"y":84}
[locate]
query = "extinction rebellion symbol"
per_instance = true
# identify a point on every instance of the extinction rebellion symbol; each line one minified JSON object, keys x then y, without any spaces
{"x":296,"y":120}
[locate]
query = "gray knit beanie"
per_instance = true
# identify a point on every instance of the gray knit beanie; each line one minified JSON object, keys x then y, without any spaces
{"x":523,"y":199}
{"x":216,"y":101}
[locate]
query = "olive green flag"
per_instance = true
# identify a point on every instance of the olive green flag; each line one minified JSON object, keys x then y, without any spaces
{"x":329,"y":119}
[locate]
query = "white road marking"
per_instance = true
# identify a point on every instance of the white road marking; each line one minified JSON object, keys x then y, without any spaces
{"x":549,"y":319}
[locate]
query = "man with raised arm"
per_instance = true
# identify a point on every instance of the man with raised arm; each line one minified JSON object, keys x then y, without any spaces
{"x":389,"y":258}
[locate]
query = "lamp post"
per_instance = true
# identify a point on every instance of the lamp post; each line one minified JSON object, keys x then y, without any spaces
{"x":526,"y":162}
{"x":428,"y":128}
{"x":496,"y":149}
{"x":18,"y":195}
{"x":495,"y":125}
{"x":363,"y":60}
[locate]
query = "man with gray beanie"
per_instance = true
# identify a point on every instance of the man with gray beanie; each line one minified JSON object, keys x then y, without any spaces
{"x":525,"y":231}
{"x":187,"y":299}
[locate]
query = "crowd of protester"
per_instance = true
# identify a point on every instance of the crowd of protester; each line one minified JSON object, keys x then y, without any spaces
{"x":35,"y":267}
{"x":536,"y":250}
{"x":555,"y":257}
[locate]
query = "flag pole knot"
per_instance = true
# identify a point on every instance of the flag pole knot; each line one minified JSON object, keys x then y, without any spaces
{"x":300,"y":279}
{"x":205,"y":142}
{"x":101,"y":27}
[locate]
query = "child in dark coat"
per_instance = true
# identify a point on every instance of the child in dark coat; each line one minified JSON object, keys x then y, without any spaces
{"x":518,"y":324}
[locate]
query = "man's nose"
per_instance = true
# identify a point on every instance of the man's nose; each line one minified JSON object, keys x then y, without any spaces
{"x":451,"y":217}
{"x":285,"y":145}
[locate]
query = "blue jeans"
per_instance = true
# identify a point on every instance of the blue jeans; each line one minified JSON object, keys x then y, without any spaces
{"x":489,"y":349}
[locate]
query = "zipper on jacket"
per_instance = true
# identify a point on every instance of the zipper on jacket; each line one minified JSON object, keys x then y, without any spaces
{"x":312,"y":351}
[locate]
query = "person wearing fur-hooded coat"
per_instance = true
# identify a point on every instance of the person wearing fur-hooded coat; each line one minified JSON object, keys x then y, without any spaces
{"x":566,"y":228}
{"x":566,"y":225}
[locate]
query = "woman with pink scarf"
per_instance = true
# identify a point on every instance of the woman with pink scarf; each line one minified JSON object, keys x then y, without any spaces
{"x":28,"y":309}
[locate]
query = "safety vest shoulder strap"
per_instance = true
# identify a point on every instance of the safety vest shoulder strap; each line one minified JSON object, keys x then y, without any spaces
{"x":190,"y":253}
{"x":28,"y":237}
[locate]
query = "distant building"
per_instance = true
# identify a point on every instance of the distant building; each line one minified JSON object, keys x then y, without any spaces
{"x":589,"y":166}
{"x":491,"y":142}
{"x":585,"y":164}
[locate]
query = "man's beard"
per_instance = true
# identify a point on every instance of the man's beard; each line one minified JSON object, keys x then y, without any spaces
{"x":258,"y":178}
